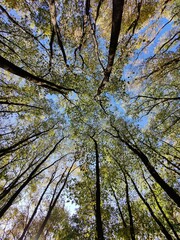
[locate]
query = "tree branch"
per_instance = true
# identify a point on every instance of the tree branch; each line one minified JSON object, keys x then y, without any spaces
{"x":12,"y":68}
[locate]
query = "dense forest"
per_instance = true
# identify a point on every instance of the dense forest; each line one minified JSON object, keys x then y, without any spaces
{"x":89,"y":119}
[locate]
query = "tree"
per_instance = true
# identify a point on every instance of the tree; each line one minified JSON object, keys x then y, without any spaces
{"x":89,"y":113}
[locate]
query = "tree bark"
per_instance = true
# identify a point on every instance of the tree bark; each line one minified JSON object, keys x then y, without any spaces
{"x":99,"y":227}
{"x":115,"y":30}
{"x":160,"y":208}
{"x":24,"y":141}
{"x":56,"y":29}
{"x":36,"y":208}
{"x":132,"y":232}
{"x":14,"y":183}
{"x":12,"y":68}
{"x":169,"y":190}
{"x":7,"y":205}
{"x":54,"y":200}
{"x":119,"y":209}
{"x":6,"y":102}
{"x":163,"y":229}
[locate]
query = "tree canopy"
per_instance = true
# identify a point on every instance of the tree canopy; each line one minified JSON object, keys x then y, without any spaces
{"x":89,"y":113}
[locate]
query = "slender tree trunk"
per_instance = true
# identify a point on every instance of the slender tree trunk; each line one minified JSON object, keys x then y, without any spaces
{"x":54,"y":201}
{"x":118,"y":206}
{"x":169,"y":190}
{"x":7,"y":205}
{"x":163,"y":229}
{"x":98,"y":9}
{"x":160,"y":208}
{"x":43,"y":224}
{"x":87,"y":7}
{"x":35,"y":210}
{"x":23,"y":142}
{"x":99,"y":226}
{"x":14,"y":183}
{"x":132,"y":232}
{"x":56,"y":29}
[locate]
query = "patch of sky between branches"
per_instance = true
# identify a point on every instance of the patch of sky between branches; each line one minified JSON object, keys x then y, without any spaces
{"x":54,"y":99}
{"x":131,"y":68}
{"x":118,"y":109}
{"x":115,"y":106}
{"x":130,"y":71}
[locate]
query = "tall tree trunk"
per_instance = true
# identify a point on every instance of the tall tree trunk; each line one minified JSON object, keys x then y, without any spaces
{"x":7,"y":205}
{"x":99,"y":227}
{"x":129,"y":209}
{"x":23,"y":142}
{"x":118,"y":206}
{"x":15,"y":182}
{"x":115,"y":30}
{"x":169,"y":190}
{"x":160,"y":208}
{"x":54,"y":200}
{"x":163,"y":229}
{"x":36,"y":208}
